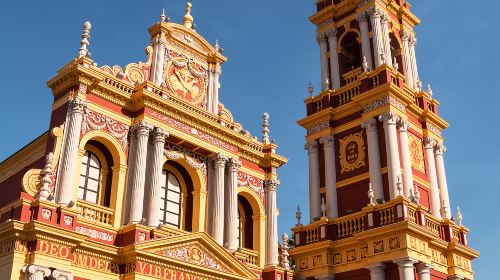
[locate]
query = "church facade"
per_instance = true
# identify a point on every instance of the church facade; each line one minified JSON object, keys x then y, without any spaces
{"x":378,"y":195}
{"x":143,"y":174}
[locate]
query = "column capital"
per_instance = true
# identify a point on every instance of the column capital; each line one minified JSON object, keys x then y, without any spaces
{"x":331,"y":33}
{"x":62,"y":275}
{"x":142,"y":128}
{"x":369,"y":125}
{"x":429,"y":143}
{"x":406,"y":35}
{"x":77,"y":105}
{"x":439,"y":149}
{"x":311,"y":147}
{"x":389,"y":118}
{"x":405,"y":262}
{"x":375,"y":12}
{"x":363,"y":17}
{"x":413,"y":41}
{"x":385,"y":18}
{"x":327,"y":141}
{"x":321,"y":38}
{"x":376,"y":267}
{"x":403,"y":125}
{"x":34,"y":268}
{"x":160,"y":134}
{"x":219,"y":160}
{"x":423,"y":268}
{"x":233,"y":164}
{"x":271,"y":184}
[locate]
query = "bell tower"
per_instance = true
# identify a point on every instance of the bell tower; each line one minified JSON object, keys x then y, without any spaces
{"x":378,"y":196}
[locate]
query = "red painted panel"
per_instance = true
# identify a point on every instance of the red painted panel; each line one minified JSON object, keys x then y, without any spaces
{"x":352,"y":198}
{"x":436,"y":275}
{"x":358,"y":274}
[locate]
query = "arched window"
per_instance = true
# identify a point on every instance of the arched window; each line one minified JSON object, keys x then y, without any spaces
{"x":171,"y":199}
{"x":396,"y":51}
{"x":90,"y":176}
{"x":350,"y":56}
{"x":245,"y":225}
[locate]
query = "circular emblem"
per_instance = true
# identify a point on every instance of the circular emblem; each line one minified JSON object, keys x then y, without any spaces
{"x":352,"y":152}
{"x":186,"y":79}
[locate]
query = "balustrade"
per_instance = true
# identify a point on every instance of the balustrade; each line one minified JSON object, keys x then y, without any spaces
{"x":95,"y":214}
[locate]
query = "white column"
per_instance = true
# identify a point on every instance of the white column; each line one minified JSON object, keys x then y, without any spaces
{"x":142,"y":130}
{"x":378,"y":42}
{"x":321,"y":38}
{"x":314,"y":194}
{"x":406,"y":37}
{"x":391,"y":142}
{"x":330,"y":176}
{"x":387,"y":40}
{"x":429,"y":144}
{"x":69,"y":152}
{"x":377,"y":271}
{"x":231,"y":209}
{"x":424,"y":271}
{"x":159,"y":61}
{"x":413,"y":57}
{"x":374,"y":157}
{"x":365,"y":39}
{"x":130,"y":167}
{"x":154,"y":173}
{"x":334,"y":58}
{"x":210,"y":88}
{"x":216,"y":85}
{"x":406,"y":268}
{"x":218,"y":200}
{"x":270,"y":187}
{"x":62,"y":275}
{"x":36,"y":272}
{"x":439,"y":150}
{"x":405,"y":156}
{"x":210,"y":195}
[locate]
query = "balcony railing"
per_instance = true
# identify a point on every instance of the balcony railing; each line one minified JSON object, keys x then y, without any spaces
{"x":95,"y":214}
{"x":377,"y":216}
{"x":251,"y":257}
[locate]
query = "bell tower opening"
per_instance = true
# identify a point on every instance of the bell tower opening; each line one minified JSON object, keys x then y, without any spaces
{"x":350,"y":53}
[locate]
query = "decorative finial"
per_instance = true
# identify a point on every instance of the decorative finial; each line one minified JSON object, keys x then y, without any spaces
{"x":285,"y":263}
{"x":298,"y":215}
{"x":419,"y":85}
{"x":365,"y":64}
{"x":399,"y":186}
{"x":395,"y":64}
{"x":216,"y":46}
{"x":371,"y":195}
{"x":459,"y":216}
{"x":323,"y":208}
{"x":310,"y":89}
{"x":443,"y":209}
{"x":163,"y":17}
{"x":188,"y":18}
{"x":265,"y":128}
{"x":382,"y":55}
{"x":83,"y":52}
{"x":429,"y":90}
{"x":417,"y":195}
{"x":327,"y":82}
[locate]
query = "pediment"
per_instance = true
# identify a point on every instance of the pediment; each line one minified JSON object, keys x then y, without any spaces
{"x":198,"y":250}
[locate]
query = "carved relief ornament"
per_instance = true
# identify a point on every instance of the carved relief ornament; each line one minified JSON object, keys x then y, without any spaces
{"x":352,"y":152}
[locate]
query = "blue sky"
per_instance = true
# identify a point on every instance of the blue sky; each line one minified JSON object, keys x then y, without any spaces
{"x":272,"y":56}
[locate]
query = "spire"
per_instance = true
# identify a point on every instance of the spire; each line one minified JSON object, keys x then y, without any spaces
{"x":163,"y":16}
{"x":83,"y":52}
{"x":188,"y":18}
{"x":310,"y":89}
{"x":265,"y":128}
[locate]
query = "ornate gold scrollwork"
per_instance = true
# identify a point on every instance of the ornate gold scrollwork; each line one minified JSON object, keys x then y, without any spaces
{"x":352,"y":152}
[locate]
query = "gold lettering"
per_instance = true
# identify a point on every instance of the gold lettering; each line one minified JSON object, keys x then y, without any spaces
{"x":142,"y":266}
{"x":44,"y":247}
{"x":63,"y":251}
{"x":173,"y":275}
{"x":181,"y":275}
{"x":82,"y":260}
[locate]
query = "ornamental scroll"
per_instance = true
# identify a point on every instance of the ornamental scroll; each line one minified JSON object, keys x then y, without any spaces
{"x":194,"y":255}
{"x":352,"y":152}
{"x":196,"y":161}
{"x":416,"y":153}
{"x":92,"y":120}
{"x":251,"y":182}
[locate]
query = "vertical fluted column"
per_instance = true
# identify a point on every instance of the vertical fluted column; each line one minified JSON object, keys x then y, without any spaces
{"x":270,"y":187}
{"x":414,"y":68}
{"x":387,"y":40}
{"x":69,"y":156}
{"x":314,"y":195}
{"x":424,"y":271}
{"x":142,"y":130}
{"x":154,"y":173}
{"x":36,"y":272}
{"x":62,"y":275}
{"x":405,"y":156}
{"x":377,"y":271}
{"x":334,"y":58}
{"x":218,"y":199}
{"x":429,"y":145}
{"x":159,"y":61}
{"x":365,"y":39}
{"x":321,"y":38}
{"x":374,"y":157}
{"x":330,"y":176}
{"x":391,"y":141}
{"x":406,"y":37}
{"x":210,"y":194}
{"x":210,"y":88}
{"x":231,"y":209}
{"x":216,"y":85}
{"x":439,"y":150}
{"x":130,"y":165}
{"x":406,"y":268}
{"x":378,"y":42}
